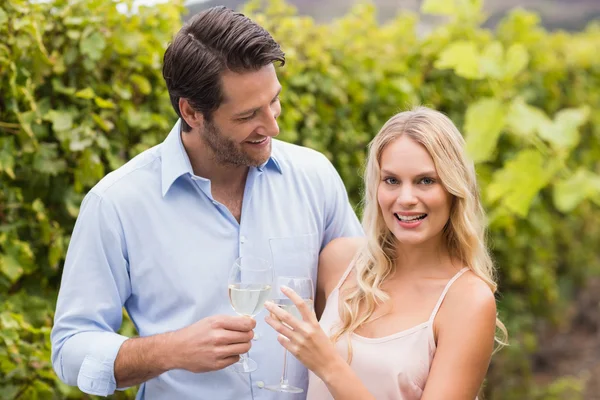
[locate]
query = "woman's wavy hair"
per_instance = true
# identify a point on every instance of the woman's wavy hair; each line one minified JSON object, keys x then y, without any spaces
{"x":464,"y":234}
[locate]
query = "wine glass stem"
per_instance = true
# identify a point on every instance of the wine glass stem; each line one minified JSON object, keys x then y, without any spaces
{"x":284,"y":381}
{"x":244,"y":358}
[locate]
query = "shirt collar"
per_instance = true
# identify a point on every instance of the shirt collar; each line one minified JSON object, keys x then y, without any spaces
{"x":175,"y":161}
{"x":272,"y":162}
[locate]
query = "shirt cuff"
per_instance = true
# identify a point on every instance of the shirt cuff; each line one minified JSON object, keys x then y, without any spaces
{"x":97,"y":373}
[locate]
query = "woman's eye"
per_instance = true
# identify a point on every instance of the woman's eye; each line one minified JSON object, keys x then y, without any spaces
{"x":427,"y":181}
{"x":391,"y":181}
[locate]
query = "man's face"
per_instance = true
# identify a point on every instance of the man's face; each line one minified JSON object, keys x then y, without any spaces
{"x":241,"y":129}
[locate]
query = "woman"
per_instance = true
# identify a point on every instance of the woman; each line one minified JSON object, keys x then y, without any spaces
{"x":409,"y":311}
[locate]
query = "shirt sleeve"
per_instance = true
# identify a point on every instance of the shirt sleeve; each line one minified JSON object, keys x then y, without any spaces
{"x":95,"y":285}
{"x":341,"y":220}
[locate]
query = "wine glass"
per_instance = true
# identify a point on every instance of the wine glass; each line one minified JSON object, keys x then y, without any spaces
{"x":303,"y":286}
{"x":250,"y":281}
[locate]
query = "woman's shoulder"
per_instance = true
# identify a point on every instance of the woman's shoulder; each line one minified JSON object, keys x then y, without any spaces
{"x":470,"y":288}
{"x":335,"y":259}
{"x":469,"y":299}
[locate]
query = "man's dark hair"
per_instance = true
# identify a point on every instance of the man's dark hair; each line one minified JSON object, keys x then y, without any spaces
{"x":212,"y":42}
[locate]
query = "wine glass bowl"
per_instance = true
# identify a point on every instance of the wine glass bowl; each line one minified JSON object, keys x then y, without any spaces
{"x":249,"y":286}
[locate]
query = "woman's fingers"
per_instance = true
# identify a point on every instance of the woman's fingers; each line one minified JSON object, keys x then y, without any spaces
{"x":305,"y":310}
{"x":279,"y":327}
{"x":282,"y":315}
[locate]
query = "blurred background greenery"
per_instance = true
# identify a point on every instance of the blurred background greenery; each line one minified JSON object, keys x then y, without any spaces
{"x":81,"y":92}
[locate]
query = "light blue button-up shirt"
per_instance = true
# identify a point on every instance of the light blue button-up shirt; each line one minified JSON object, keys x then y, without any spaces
{"x":151,"y":238}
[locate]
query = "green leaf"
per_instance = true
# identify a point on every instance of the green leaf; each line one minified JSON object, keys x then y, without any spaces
{"x":3,"y":16}
{"x":9,"y":391}
{"x":484,"y":122}
{"x":89,"y":170}
{"x":61,"y":120}
{"x":141,"y":83}
{"x":92,"y":46}
{"x":563,"y":132}
{"x":517,"y":59}
{"x":59,"y":87}
{"x":520,"y":180}
{"x":462,"y":57}
{"x":10,"y":267}
{"x":104,"y":124}
{"x":73,"y":34}
{"x":570,"y":192}
{"x":74,"y":21}
{"x":80,"y":143}
{"x":87,"y":93}
{"x":47,"y":160}
{"x":8,"y":321}
{"x":461,"y":8}
{"x":7,"y":160}
{"x":56,"y":252}
{"x":100,"y":102}
{"x":438,"y":7}
{"x":492,"y":60}
{"x":523,"y":119}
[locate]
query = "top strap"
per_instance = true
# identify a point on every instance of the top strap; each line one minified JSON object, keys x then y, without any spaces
{"x":344,"y":276}
{"x":443,"y":295}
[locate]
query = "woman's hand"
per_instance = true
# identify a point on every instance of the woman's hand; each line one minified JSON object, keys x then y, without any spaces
{"x":303,"y":338}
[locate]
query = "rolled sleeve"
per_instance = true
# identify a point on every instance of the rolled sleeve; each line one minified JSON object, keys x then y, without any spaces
{"x":94,"y":287}
{"x":96,"y":373}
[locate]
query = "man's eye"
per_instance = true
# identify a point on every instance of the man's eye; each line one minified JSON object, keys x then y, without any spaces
{"x":248,"y":118}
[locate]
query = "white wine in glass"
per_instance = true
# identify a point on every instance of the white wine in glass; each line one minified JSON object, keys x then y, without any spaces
{"x":248,"y":298}
{"x":249,"y":287}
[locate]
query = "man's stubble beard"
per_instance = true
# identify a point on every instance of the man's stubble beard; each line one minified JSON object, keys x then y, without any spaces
{"x":227,"y":151}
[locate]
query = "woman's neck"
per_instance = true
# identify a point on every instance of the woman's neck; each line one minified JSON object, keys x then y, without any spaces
{"x":425,"y":259}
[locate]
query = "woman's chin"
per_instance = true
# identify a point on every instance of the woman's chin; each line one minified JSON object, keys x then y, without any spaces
{"x":410,"y":240}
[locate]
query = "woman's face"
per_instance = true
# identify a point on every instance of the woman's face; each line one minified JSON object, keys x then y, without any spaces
{"x":414,"y":203}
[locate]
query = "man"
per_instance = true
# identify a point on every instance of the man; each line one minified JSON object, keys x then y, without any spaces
{"x":159,"y":235}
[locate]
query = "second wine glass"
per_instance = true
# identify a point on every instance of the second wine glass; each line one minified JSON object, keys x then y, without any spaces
{"x":249,"y":284}
{"x":303,"y":286}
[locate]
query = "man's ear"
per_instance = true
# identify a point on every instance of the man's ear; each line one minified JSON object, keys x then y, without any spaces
{"x":194,"y":118}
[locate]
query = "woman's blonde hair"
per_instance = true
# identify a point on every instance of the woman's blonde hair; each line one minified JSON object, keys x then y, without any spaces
{"x":464,"y":234}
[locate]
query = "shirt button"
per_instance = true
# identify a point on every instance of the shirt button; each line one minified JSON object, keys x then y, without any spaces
{"x":256,"y":336}
{"x":242,"y":239}
{"x":260,"y":384}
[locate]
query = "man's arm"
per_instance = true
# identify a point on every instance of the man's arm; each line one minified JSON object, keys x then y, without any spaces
{"x":210,"y":344}
{"x":87,"y":351}
{"x":95,"y":285}
{"x":341,"y":220}
{"x":141,"y":359}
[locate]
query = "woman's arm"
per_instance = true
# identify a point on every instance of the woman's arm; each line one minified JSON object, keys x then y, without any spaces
{"x":310,"y":345}
{"x":465,"y":328}
{"x":333,"y":262}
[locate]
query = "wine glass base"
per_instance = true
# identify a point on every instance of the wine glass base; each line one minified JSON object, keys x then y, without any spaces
{"x":284,"y":388}
{"x":245,"y":366}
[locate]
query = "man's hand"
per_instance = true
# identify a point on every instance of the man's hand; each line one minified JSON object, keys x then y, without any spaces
{"x":210,"y":344}
{"x":213,"y":343}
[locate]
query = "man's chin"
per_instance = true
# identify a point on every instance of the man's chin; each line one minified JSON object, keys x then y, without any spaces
{"x":256,"y":160}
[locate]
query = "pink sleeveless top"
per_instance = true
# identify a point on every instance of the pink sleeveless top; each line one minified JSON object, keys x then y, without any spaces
{"x":393,"y":367}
